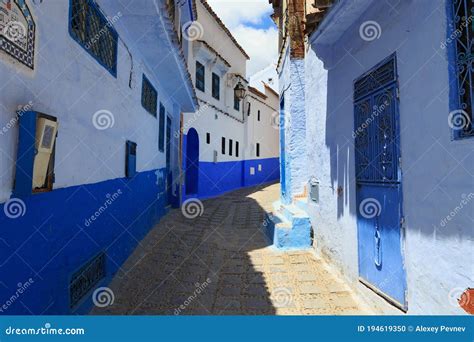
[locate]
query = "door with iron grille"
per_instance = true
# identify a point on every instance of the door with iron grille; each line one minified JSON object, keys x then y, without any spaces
{"x":379,"y":182}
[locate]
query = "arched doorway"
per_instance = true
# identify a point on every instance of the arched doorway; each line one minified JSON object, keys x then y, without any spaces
{"x":192,"y":162}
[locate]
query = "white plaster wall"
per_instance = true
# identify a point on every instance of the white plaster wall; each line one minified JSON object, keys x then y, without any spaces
{"x":70,"y":84}
{"x":436,"y":170}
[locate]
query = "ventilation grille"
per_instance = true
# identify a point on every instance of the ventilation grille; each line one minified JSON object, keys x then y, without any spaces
{"x":86,"y":278}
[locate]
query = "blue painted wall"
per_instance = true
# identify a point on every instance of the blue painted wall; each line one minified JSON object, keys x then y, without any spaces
{"x":52,"y":239}
{"x":218,"y":178}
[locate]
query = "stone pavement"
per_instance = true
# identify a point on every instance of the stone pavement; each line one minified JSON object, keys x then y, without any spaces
{"x":221,"y":263}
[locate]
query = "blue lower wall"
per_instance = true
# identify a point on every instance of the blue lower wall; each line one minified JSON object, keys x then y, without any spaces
{"x":52,"y":239}
{"x":217,"y":178}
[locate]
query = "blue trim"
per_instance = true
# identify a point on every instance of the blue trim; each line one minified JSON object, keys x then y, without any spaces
{"x":113,"y":70}
{"x":56,"y":236}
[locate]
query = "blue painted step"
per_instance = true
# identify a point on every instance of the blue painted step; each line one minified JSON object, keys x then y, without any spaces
{"x":289,"y":227}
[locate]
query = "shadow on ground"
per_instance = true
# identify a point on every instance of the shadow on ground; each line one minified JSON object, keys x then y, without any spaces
{"x":222,"y":263}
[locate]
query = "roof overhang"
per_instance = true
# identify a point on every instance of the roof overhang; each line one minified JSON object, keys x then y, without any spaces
{"x":150,"y":33}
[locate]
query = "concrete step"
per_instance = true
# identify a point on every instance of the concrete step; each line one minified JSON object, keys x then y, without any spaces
{"x":288,"y":227}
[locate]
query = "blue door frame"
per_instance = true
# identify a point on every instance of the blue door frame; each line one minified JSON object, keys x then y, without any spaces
{"x":169,"y":174}
{"x":379,"y":182}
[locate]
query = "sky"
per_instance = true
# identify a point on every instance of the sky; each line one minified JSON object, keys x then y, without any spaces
{"x":250,"y":23}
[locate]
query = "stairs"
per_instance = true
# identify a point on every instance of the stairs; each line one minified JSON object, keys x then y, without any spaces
{"x":289,"y":226}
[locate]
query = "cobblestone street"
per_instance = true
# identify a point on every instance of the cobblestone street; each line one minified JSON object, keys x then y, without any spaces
{"x":222,"y":263}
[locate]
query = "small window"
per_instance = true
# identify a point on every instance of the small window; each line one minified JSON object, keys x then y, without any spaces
{"x":236,"y":148}
{"x":161,"y":138}
{"x":131,"y":159}
{"x":223,"y":145}
{"x":216,"y":86}
{"x":208,"y":138}
{"x":258,"y":150}
{"x":231,"y":144}
{"x":149,"y":96}
{"x":258,"y":115}
{"x":248,"y":109}
{"x":236,"y":103}
{"x":91,"y":29}
{"x":200,"y":76}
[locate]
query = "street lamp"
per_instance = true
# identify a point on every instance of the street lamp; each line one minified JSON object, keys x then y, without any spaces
{"x":239,"y":91}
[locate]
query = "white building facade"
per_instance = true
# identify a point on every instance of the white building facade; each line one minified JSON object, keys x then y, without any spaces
{"x":229,"y":142}
{"x":91,"y":93}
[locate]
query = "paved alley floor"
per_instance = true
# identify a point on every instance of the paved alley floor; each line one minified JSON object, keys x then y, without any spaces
{"x":221,"y":263}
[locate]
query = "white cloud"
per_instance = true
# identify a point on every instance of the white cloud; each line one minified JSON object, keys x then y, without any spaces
{"x":236,"y":12}
{"x":247,"y":19}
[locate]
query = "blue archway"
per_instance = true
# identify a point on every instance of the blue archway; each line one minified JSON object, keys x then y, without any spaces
{"x":192,"y":162}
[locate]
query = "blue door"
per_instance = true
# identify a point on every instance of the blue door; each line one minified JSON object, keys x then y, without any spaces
{"x":281,"y":125}
{"x":192,"y":162}
{"x":169,"y":173}
{"x":379,"y":182}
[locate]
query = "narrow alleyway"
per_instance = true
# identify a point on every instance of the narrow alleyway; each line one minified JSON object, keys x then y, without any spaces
{"x":221,"y":263}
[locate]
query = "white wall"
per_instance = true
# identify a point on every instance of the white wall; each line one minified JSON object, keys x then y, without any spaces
{"x":70,"y":84}
{"x":436,"y":170}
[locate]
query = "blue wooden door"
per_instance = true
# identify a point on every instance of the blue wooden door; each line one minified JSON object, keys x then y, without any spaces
{"x":379,"y":182}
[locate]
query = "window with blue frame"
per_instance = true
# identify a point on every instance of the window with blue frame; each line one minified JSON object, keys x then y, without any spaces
{"x":200,"y":76}
{"x":216,"y":86}
{"x":149,"y":96}
{"x":90,"y":28}
{"x":161,"y":138}
{"x":461,"y":118}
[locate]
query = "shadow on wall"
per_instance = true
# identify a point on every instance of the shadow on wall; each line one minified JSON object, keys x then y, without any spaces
{"x":200,"y":260}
